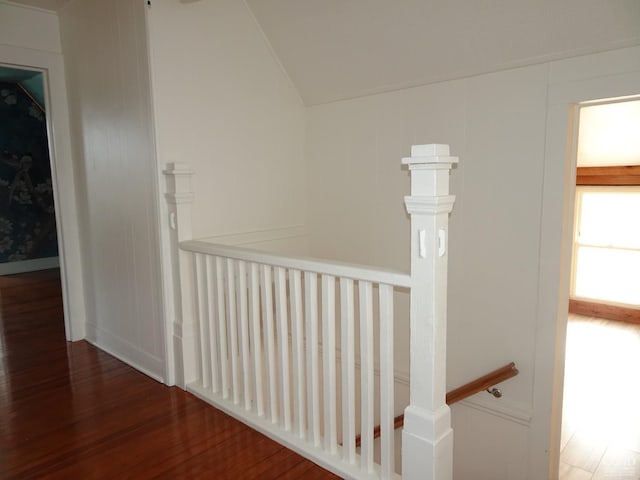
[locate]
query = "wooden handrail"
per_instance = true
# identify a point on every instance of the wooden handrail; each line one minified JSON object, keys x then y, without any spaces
{"x":478,"y":385}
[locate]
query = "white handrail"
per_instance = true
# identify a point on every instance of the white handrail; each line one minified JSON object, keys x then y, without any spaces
{"x":324,"y":267}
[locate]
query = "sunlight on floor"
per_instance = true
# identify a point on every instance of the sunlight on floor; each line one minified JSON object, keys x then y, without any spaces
{"x":601,"y":417}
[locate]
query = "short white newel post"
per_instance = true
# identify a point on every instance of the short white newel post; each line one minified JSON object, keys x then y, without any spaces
{"x":182,"y":330}
{"x":427,"y":438}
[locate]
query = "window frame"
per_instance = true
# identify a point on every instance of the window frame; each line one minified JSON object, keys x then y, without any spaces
{"x":609,"y":176}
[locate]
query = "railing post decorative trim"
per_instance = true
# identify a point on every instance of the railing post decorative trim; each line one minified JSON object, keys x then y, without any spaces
{"x":427,"y":438}
{"x":179,"y":199}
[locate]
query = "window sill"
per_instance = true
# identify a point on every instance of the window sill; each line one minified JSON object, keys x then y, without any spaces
{"x":601,"y":310}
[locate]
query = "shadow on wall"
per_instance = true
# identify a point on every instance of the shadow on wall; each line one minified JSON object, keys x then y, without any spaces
{"x":27,"y":217}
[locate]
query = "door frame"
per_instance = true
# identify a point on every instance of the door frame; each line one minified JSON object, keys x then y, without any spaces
{"x":587,"y":79}
{"x":62,"y":178}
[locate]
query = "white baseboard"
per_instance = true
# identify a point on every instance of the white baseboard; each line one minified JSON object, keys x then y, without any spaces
{"x":126,"y":352}
{"x":11,"y":268}
{"x":499,"y":407}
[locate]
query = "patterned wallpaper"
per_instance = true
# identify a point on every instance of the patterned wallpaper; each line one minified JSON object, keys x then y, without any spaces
{"x":27,"y":219}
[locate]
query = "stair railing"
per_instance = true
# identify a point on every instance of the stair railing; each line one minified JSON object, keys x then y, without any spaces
{"x":256,"y":335}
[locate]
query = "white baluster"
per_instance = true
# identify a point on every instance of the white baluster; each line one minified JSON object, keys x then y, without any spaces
{"x":387,"y":450}
{"x":267,"y":316}
{"x":221,"y":320}
{"x":233,"y":330}
{"x":256,"y":337}
{"x":213,"y":334}
{"x":313,"y":373}
{"x":365,"y":291}
{"x":348,"y":371}
{"x":297,"y":338}
{"x":244,"y":333}
{"x":283,"y":345}
{"x":329,"y":362}
{"x":204,"y":356}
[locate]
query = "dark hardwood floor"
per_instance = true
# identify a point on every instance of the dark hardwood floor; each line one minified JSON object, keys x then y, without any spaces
{"x":71,"y":411}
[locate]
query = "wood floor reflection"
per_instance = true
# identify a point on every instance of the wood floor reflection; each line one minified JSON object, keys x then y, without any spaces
{"x":71,"y":411}
{"x":601,"y":414}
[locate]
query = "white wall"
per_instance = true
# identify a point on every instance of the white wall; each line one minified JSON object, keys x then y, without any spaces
{"x":29,"y":27}
{"x":225,"y":107}
{"x":497,"y":124}
{"x":30,"y":38}
{"x":107,"y":71}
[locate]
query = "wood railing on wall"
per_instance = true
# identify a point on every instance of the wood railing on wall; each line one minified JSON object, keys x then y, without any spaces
{"x":483,"y":383}
{"x":468,"y":389}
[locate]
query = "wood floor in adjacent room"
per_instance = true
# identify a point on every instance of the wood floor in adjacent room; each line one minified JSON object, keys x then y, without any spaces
{"x":601,"y":417}
{"x":70,"y":411}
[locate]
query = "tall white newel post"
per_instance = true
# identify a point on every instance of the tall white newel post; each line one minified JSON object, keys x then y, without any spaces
{"x":182,"y":329}
{"x":427,"y":438}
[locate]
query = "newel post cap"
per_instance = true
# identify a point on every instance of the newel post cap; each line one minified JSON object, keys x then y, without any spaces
{"x":178,"y":178}
{"x":177,"y":168}
{"x":432,"y":153}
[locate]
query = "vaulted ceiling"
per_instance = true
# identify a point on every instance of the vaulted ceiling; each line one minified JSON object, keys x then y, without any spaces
{"x":336,"y":49}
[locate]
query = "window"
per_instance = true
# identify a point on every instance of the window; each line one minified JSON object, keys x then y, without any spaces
{"x":606,"y":251}
{"x":607,"y":245}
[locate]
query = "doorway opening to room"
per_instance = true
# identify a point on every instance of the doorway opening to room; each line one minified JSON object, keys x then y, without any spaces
{"x":29,"y":259}
{"x":28,"y":239}
{"x":601,"y":421}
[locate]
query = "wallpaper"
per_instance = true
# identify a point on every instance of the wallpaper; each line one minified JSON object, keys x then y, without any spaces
{"x":27,"y":219}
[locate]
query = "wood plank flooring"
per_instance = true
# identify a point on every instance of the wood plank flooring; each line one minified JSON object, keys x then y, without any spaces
{"x":601,"y":418}
{"x":71,"y":411}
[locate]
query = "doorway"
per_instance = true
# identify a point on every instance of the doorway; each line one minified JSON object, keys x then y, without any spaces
{"x":28,"y":239}
{"x":63,"y":187}
{"x":601,"y":422}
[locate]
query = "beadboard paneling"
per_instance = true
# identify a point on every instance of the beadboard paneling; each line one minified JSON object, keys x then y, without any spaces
{"x":107,"y":70}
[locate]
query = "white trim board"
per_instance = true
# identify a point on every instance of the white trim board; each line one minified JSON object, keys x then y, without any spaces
{"x":571,"y":82}
{"x":126,"y":352}
{"x":62,"y":174}
{"x":11,"y":268}
{"x":499,"y":407}
{"x":258,"y":236}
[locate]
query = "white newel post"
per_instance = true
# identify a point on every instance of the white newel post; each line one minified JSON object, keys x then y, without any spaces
{"x":427,"y":438}
{"x":182,"y":329}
